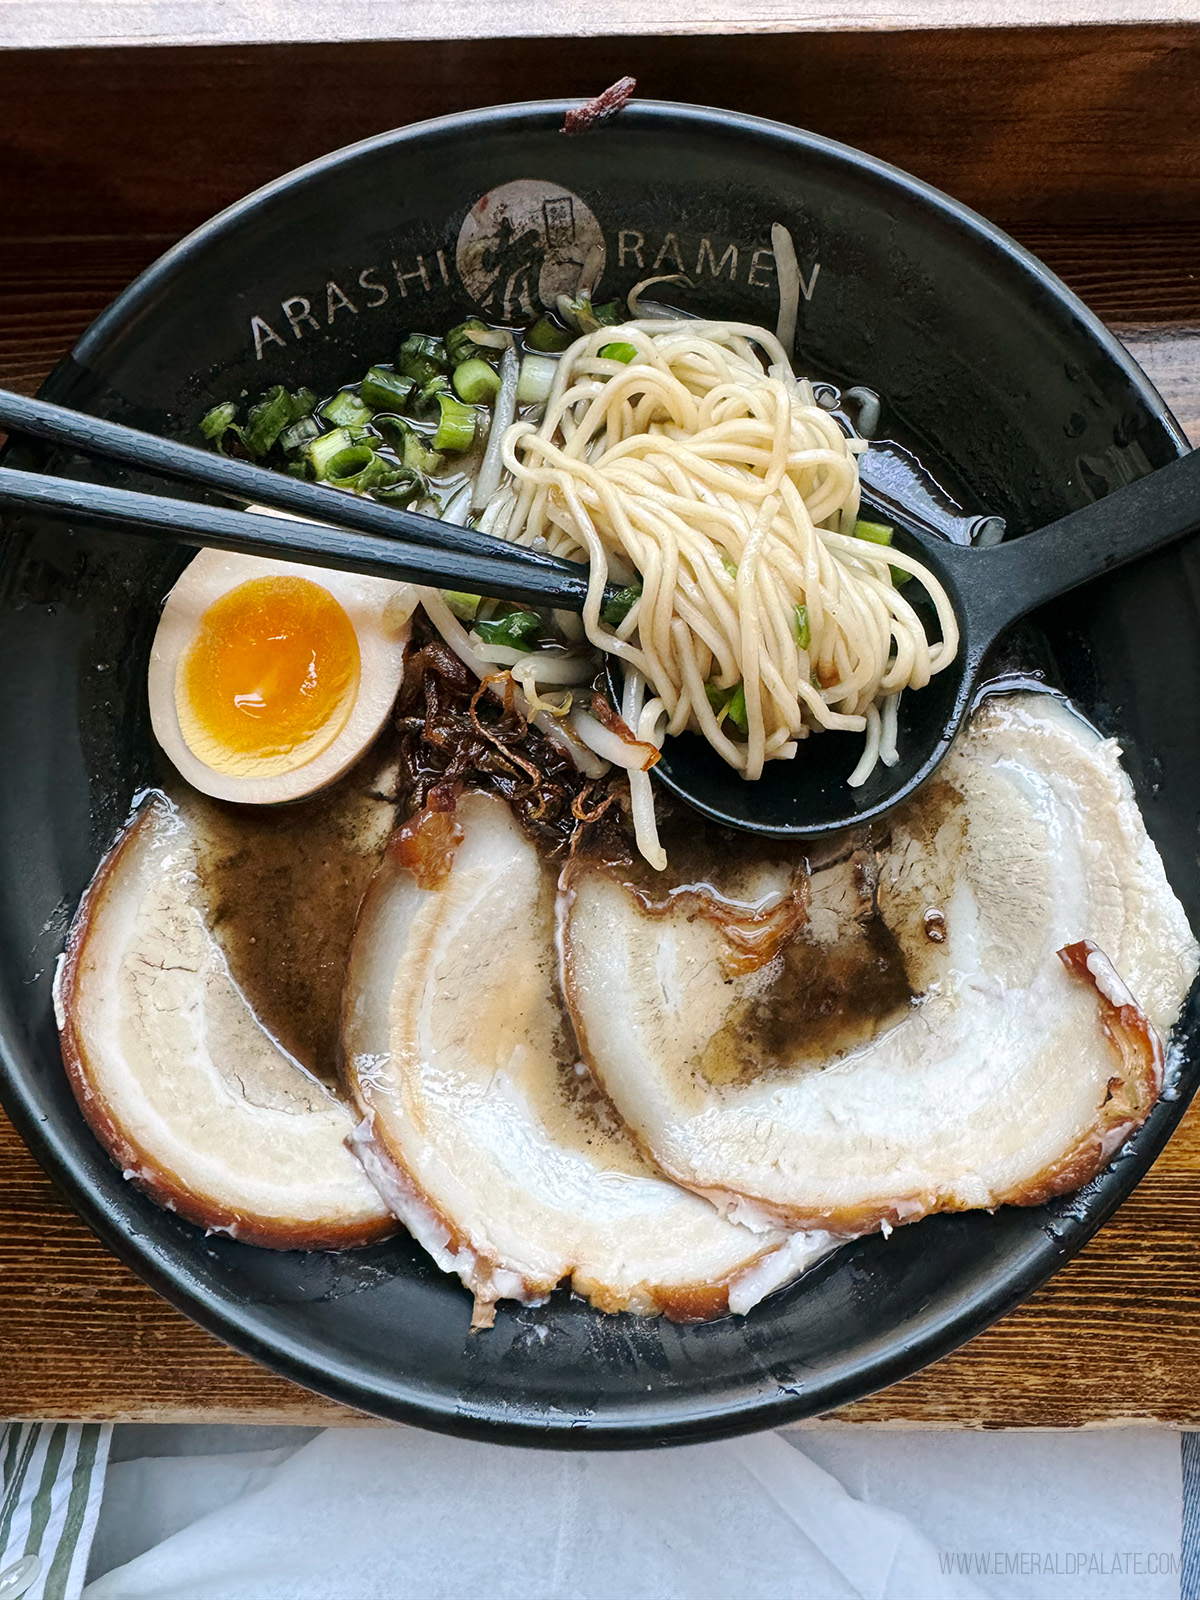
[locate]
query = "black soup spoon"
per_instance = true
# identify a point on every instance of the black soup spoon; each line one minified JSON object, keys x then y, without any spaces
{"x":990,"y":589}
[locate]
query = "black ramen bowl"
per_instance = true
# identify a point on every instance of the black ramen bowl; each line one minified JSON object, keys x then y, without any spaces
{"x":989,"y":368}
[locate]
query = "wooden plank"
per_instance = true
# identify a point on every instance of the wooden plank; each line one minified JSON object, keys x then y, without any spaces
{"x":1170,"y":355}
{"x":40,"y":24}
{"x":81,"y":1336}
{"x":1116,"y":1335}
{"x":1114,"y":1338}
{"x":1033,"y":125}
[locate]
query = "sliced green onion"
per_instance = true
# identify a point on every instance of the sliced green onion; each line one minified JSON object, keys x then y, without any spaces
{"x":618,"y":352}
{"x":736,"y":709}
{"x":803,"y":631}
{"x":412,"y":446}
{"x":217,"y":422}
{"x":267,"y":420}
{"x":271,"y":414}
{"x":322,"y":451}
{"x":422,"y":358}
{"x":518,"y":630}
{"x":463,"y":606}
{"x":615,"y":611}
{"x":345,"y":410}
{"x":881,"y":533}
{"x":547,"y":336}
{"x":460,"y":345}
{"x":729,"y":703}
{"x":476,"y":382}
{"x":589,"y":317}
{"x":418,"y":457}
{"x":384,"y":390}
{"x":456,"y":425}
{"x":336,"y":459}
{"x":358,"y":468}
{"x":402,"y":483}
{"x":730,"y":565}
{"x":536,"y":380}
{"x":876,"y":532}
{"x":427,"y":395}
{"x":298,"y":434}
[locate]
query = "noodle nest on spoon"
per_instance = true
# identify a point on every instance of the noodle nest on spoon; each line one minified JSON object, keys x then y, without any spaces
{"x":669,"y":454}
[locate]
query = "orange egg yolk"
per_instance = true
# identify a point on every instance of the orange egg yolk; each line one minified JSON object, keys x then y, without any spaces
{"x":270,"y":678}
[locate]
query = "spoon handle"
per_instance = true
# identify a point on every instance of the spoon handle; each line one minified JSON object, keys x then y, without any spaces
{"x":1002,"y":584}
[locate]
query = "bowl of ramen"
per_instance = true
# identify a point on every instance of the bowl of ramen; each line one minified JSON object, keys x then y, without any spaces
{"x":364,"y":988}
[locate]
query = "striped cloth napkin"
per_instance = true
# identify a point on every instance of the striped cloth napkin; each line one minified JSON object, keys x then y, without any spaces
{"x":51,"y":1483}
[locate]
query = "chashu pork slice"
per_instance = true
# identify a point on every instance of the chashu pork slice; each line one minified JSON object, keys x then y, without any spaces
{"x":486,"y":1137}
{"x":180,"y":1081}
{"x":919,"y":1045}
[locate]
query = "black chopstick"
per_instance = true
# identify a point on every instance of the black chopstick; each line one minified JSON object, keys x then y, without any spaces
{"x":507,"y":572}
{"x":112,"y":441}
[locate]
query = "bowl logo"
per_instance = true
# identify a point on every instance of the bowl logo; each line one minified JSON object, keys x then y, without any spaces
{"x":523,"y":244}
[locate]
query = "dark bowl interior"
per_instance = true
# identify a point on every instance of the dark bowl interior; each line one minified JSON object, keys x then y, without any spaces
{"x":1012,"y":392}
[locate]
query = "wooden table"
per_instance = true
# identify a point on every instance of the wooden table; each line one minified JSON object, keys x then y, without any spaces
{"x":1081,"y":141}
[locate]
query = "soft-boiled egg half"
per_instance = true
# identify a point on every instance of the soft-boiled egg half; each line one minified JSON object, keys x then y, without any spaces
{"x":269,"y":679}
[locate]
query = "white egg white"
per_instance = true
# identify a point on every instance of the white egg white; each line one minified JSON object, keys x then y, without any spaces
{"x":380,"y":612}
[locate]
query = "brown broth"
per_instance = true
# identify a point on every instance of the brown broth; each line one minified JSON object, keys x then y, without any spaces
{"x":820,"y":1003}
{"x":864,"y":950}
{"x":281,"y":887}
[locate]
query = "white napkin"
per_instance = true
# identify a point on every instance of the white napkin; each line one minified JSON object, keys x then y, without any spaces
{"x":1079,"y":1514}
{"x":375,"y":1515}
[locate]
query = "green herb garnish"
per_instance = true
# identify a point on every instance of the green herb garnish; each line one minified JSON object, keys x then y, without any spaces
{"x":880,"y":533}
{"x":384,"y":390}
{"x":615,"y":610}
{"x":729,"y":703}
{"x":456,"y":425}
{"x":215,"y":424}
{"x":519,"y":630}
{"x":272,"y":414}
{"x":345,"y":410}
{"x":460,"y":341}
{"x":547,"y":337}
{"x":476,"y":382}
{"x":422,"y":358}
{"x":463,"y":606}
{"x":322,"y":453}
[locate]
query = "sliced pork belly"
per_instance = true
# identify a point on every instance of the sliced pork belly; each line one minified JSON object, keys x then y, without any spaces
{"x":488,"y":1139}
{"x":180,"y":1081}
{"x":918,"y":1045}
